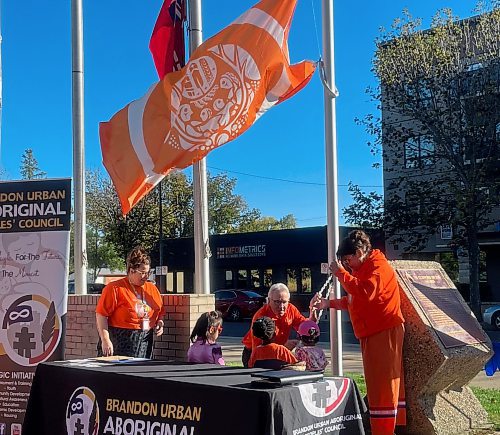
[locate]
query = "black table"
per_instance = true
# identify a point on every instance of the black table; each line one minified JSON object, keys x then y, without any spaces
{"x":157,"y":398}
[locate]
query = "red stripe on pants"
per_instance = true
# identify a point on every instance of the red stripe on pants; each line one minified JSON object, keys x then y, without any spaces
{"x":383,"y":362}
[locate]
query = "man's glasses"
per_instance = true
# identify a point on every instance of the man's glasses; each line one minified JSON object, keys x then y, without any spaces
{"x":279,"y":302}
{"x":144,"y":272}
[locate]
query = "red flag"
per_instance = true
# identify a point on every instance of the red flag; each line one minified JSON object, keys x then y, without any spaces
{"x":229,"y":82}
{"x":167,"y":41}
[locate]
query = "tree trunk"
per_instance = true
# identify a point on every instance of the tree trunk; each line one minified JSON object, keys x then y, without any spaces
{"x":475,"y":296}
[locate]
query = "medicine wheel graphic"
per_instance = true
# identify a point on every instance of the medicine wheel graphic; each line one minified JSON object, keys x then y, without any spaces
{"x":82,"y":413}
{"x":31,"y":330}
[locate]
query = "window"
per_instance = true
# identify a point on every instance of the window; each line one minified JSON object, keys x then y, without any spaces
{"x":229,"y":279}
{"x":180,"y":282}
{"x":420,"y":207}
{"x":242,"y":279}
{"x":497,"y":132}
{"x":291,"y":280}
{"x":474,"y":66}
{"x":419,"y":95}
{"x":268,"y":278}
{"x":306,"y":280}
{"x":419,"y":152}
{"x":170,"y":282}
{"x":255,"y":278}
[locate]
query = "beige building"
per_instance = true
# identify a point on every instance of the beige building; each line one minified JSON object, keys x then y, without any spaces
{"x":441,"y":144}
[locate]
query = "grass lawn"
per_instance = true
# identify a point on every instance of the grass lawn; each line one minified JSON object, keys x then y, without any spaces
{"x":489,"y":398}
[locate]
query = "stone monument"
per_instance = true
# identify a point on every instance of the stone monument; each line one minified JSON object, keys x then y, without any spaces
{"x":444,"y":348}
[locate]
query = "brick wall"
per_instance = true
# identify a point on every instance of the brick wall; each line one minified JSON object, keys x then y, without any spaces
{"x":182,"y":312}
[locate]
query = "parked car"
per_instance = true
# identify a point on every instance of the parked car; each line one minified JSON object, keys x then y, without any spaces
{"x":92,"y":288}
{"x":237,"y":304}
{"x":492,"y":316}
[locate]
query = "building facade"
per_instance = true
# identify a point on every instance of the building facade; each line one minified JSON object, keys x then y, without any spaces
{"x":441,"y":152}
{"x":254,"y":261}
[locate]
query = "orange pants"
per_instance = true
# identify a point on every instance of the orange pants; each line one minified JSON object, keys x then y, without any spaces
{"x":384,"y":376}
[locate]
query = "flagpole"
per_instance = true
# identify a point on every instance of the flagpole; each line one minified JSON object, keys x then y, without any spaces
{"x":201,"y":245}
{"x":80,"y":240}
{"x":331,"y":176}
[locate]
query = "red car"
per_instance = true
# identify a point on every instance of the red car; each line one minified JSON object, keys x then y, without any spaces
{"x":237,"y":304}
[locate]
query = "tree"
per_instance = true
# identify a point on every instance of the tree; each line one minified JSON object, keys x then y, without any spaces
{"x":178,"y":205}
{"x":228,"y":212}
{"x":101,"y":254}
{"x":367,"y":209}
{"x":29,"y":166}
{"x":439,"y":95}
{"x":268,"y":223}
{"x":139,"y":227}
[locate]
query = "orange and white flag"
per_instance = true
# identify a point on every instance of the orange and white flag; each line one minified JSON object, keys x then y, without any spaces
{"x":229,"y":82}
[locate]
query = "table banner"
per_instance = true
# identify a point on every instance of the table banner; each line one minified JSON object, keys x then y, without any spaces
{"x":149,"y":398}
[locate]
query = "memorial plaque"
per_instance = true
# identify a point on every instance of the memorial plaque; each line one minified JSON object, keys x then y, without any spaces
{"x":439,"y":300}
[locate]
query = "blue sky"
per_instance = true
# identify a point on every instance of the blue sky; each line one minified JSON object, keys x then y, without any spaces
{"x":287,"y":143}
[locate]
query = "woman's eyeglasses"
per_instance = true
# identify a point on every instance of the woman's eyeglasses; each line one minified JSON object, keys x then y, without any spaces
{"x":143,"y":272}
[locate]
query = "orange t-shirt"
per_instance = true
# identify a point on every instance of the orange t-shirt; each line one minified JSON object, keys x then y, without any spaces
{"x":271,"y":351}
{"x":374,"y":300}
{"x":284,"y":324}
{"x":122,"y":305}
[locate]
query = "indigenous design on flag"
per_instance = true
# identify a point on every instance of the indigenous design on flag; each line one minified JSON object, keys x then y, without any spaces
{"x":167,"y":41}
{"x":323,"y":398}
{"x":228,"y":83}
{"x":210,"y":104}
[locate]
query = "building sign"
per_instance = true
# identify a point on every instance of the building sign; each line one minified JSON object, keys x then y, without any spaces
{"x":34,"y":252}
{"x":446,"y":232}
{"x":160,"y":270}
{"x":243,"y":251}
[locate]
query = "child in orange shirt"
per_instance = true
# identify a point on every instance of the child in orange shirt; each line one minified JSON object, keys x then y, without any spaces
{"x":268,"y":355}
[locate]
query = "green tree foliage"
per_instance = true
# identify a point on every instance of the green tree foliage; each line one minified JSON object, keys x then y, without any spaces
{"x":178,"y":206}
{"x":139,"y":227}
{"x":268,"y":223}
{"x":228,"y":212}
{"x":367,"y":209}
{"x":101,"y":254}
{"x":439,"y":93}
{"x":29,"y":166}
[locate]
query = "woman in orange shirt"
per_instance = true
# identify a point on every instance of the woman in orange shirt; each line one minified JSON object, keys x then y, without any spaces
{"x":129,"y":311}
{"x":373,"y":302}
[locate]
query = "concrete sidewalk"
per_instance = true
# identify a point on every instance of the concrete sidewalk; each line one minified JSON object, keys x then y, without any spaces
{"x":232,"y":348}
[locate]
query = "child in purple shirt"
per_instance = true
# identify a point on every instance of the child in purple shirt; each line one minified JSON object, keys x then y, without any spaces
{"x":307,"y":350}
{"x":204,"y":348}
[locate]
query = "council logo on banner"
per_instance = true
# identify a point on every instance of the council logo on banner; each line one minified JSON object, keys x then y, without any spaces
{"x":323,"y":398}
{"x":31,"y":329}
{"x":82,"y":413}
